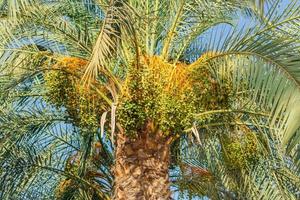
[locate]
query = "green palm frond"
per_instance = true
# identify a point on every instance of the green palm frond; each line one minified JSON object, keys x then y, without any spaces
{"x":273,"y":40}
{"x":39,"y":149}
{"x":264,"y":99}
{"x":269,"y":89}
{"x":14,"y":8}
{"x":272,"y":83}
{"x":206,"y":173}
{"x":75,"y":36}
{"x":116,"y":25}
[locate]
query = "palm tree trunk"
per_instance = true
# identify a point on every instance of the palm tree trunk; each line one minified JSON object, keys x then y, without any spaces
{"x":142,"y":166}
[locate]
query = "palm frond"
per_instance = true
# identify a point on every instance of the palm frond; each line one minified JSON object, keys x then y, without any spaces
{"x":116,"y":24}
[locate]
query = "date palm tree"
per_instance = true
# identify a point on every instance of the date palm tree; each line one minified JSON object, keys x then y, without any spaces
{"x":126,"y":99}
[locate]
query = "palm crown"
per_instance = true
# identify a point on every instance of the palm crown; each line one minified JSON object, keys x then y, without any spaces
{"x":216,"y":101}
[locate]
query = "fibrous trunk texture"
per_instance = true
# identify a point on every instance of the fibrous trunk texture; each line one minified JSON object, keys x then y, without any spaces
{"x":142,"y":166}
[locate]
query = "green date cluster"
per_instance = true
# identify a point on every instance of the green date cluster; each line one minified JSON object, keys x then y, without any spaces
{"x":241,"y":151}
{"x":64,"y":90}
{"x":167,"y":95}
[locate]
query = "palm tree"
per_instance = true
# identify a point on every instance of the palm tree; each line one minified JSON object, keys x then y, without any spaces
{"x":197,"y":102}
